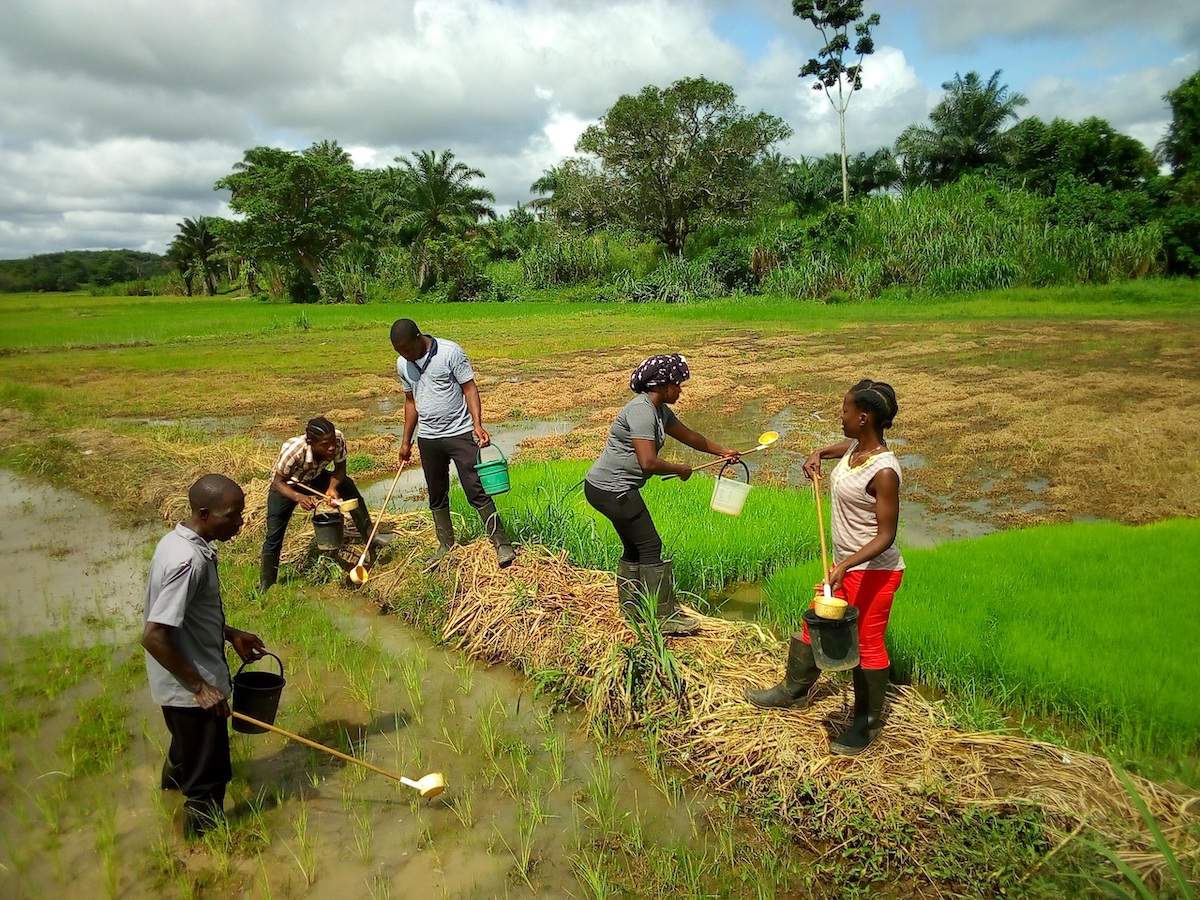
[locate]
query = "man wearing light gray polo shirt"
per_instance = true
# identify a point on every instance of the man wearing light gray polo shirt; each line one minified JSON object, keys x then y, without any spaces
{"x":184,"y":638}
{"x":440,"y":394}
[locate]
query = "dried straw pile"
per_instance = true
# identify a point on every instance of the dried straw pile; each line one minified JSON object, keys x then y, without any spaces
{"x":544,"y":614}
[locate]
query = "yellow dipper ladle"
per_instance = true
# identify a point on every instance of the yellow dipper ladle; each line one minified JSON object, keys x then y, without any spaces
{"x":765,"y":440}
{"x":340,"y":505}
{"x":359,"y":573}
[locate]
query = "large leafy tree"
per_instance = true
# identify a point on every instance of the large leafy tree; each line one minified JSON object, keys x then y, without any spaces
{"x":1180,"y":149}
{"x":436,"y":195}
{"x":966,"y":130}
{"x":834,"y":19}
{"x":575,"y":193}
{"x":1039,"y":155}
{"x":299,"y":208}
{"x":197,"y":244}
{"x":679,"y":156}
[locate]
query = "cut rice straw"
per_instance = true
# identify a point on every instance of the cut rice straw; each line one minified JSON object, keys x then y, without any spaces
{"x":543,"y":614}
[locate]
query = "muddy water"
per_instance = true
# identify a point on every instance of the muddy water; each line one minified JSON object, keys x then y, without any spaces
{"x":527,"y":791}
{"x":67,"y":561}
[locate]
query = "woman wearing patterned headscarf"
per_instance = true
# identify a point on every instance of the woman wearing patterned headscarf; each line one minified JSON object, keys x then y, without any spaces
{"x":613,"y":486}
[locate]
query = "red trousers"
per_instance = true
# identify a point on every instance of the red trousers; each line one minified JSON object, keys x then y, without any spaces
{"x":871,"y":592}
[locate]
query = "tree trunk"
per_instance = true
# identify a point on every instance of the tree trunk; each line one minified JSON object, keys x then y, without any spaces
{"x":845,"y":171}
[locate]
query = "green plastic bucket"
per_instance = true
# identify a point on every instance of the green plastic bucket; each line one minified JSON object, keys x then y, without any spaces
{"x":493,"y":473}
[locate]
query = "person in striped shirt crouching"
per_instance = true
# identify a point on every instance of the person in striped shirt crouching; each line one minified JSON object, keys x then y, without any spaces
{"x":305,"y":460}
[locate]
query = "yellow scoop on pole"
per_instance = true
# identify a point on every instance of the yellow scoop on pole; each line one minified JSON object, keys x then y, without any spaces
{"x":359,"y":573}
{"x":765,"y":440}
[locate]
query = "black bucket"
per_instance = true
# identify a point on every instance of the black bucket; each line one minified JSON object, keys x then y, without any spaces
{"x":328,"y":528}
{"x":834,"y":641}
{"x":256,"y":694}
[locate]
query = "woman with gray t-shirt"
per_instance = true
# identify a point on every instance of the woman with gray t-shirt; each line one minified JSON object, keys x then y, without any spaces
{"x":613,"y":486}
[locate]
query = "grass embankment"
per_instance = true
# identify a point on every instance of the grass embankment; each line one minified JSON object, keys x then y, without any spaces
{"x":709,"y":549}
{"x":1083,"y":629}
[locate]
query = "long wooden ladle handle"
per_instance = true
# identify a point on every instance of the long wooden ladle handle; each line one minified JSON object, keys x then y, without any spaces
{"x":338,"y":753}
{"x":379,"y":516}
{"x":821,"y":526}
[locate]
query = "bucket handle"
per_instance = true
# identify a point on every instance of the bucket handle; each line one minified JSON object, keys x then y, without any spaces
{"x":479,"y":455}
{"x":734,"y":462}
{"x":265,"y":653}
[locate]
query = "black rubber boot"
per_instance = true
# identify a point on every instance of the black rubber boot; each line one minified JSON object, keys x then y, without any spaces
{"x":505,"y":554}
{"x":443,"y":526}
{"x":870,"y":689}
{"x":170,"y":776}
{"x":268,"y":571}
{"x":362,"y":521}
{"x":659,"y":582}
{"x":799,"y":676}
{"x":629,"y":589}
{"x":201,"y":814}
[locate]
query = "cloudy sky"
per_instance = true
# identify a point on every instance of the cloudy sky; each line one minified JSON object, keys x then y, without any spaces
{"x":117,"y":117}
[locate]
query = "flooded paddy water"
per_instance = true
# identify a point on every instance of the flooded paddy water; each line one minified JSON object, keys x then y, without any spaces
{"x":533,"y":805}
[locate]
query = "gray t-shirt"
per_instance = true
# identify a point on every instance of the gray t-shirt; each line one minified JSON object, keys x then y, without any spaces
{"x":184,"y":593}
{"x":437,"y":390}
{"x":617,"y":468}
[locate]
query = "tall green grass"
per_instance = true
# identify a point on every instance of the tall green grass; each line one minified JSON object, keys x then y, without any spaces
{"x":973,"y":235}
{"x":777,"y":527}
{"x":1092,"y":625}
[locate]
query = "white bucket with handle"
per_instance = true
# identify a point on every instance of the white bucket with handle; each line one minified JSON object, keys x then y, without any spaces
{"x":729,"y":494}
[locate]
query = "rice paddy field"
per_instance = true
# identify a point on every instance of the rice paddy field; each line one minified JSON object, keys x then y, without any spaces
{"x":1046,"y":619}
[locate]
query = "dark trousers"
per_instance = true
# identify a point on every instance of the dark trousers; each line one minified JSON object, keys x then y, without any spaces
{"x":198,"y":759}
{"x":436,"y":454}
{"x":630,"y":517}
{"x":280,"y":508}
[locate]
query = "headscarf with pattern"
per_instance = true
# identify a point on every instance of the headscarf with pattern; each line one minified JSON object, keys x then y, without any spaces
{"x":665,"y":368}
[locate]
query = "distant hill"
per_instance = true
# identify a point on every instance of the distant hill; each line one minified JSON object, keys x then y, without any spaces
{"x":71,"y":270}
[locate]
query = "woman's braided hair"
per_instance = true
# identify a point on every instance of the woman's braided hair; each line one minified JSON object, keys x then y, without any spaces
{"x":876,"y":397}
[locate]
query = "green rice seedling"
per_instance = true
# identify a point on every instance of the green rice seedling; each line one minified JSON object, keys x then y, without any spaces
{"x":410,"y":670}
{"x":106,"y":848}
{"x":522,"y":852}
{"x":379,"y":885}
{"x":363,"y":833}
{"x":592,"y":874}
{"x":554,"y":745}
{"x":363,"y":689}
{"x":602,"y":807}
{"x":463,"y":807}
{"x":264,"y":880}
{"x":489,"y":733}
{"x":305,"y":853}
{"x":465,"y":670}
{"x":457,"y":744}
{"x":97,"y":737}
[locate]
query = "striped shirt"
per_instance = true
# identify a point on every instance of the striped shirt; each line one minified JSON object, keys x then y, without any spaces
{"x":296,"y":461}
{"x":855,"y":523}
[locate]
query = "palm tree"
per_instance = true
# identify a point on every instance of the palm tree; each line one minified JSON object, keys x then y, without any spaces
{"x":181,"y":260}
{"x":966,"y":130}
{"x":436,"y":196}
{"x":198,"y":243}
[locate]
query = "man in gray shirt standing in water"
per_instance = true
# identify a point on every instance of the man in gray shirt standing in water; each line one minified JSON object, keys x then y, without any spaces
{"x":184,"y":638}
{"x":441,"y":395}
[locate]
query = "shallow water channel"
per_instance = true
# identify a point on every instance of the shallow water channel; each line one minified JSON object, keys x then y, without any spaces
{"x":533,"y":806}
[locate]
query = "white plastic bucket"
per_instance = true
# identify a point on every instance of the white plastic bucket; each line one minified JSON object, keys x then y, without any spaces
{"x":729,"y":494}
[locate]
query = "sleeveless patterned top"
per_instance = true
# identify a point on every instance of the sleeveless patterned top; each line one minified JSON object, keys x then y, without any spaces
{"x":855,"y":523}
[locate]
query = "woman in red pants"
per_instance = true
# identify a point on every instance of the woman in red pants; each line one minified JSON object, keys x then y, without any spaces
{"x":868,"y":567}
